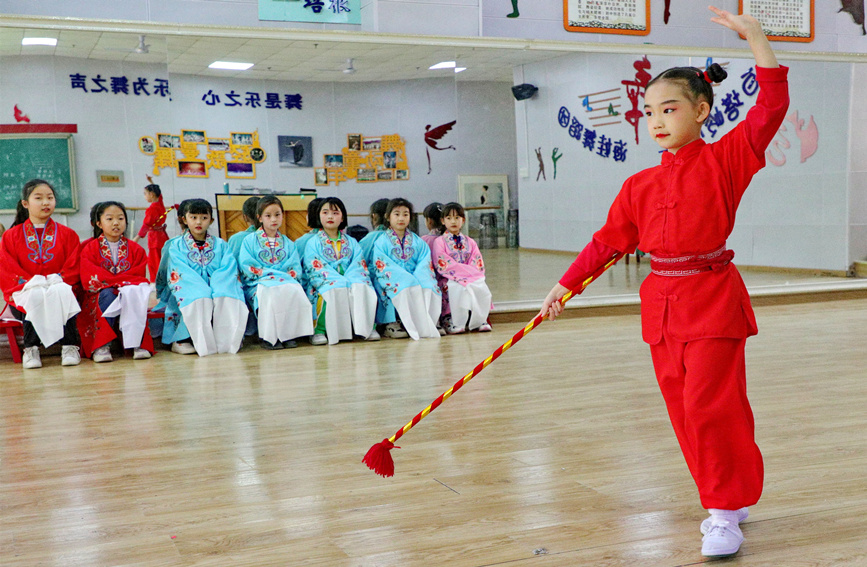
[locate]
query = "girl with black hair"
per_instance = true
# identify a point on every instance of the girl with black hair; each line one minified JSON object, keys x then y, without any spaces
{"x":116,"y":288}
{"x":248,"y":210}
{"x":695,"y":309}
{"x":339,"y":287}
{"x":153,"y":227}
{"x":205,"y":312}
{"x":270,"y":269}
{"x":409,"y":298}
{"x":433,"y":219}
{"x":39,"y":270}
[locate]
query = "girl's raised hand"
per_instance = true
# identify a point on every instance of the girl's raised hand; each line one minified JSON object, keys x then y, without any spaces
{"x":744,"y":24}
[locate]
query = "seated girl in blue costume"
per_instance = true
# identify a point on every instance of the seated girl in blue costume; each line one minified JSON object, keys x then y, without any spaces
{"x":409,"y":298}
{"x":270,"y":269}
{"x":338,"y":285}
{"x":205,"y":308}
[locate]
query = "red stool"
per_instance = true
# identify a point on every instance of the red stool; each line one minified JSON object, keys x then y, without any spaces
{"x":13,"y":328}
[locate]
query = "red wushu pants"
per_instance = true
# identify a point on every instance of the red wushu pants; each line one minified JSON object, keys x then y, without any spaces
{"x":704,"y":386}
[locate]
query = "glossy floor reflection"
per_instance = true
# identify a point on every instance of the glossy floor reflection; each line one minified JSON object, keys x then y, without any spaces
{"x":559,"y":454}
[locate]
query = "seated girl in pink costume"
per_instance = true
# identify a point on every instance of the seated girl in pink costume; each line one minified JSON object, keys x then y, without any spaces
{"x":461,"y":276}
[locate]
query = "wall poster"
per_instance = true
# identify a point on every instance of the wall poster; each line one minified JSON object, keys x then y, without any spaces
{"x":624,"y":17}
{"x":783,"y":20}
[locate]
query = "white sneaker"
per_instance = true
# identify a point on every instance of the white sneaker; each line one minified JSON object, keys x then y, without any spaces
{"x":318,"y":339}
{"x":373,"y":336}
{"x":395,"y":331}
{"x":722,"y":539}
{"x":102,"y":354}
{"x":183,"y":348}
{"x":30,"y":357}
{"x":485,"y":328}
{"x":455,"y":330}
{"x":140,"y":354}
{"x":743,"y":514}
{"x":69,"y":356}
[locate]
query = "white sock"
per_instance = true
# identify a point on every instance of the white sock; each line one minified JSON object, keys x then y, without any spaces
{"x":730,"y":516}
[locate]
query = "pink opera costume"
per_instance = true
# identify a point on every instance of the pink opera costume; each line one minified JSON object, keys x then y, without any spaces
{"x":461,"y":276}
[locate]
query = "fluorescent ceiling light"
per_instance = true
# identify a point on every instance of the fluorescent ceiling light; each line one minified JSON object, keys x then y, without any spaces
{"x":459,"y":69}
{"x":52,"y":41}
{"x":230,"y":65}
{"x":443,"y":65}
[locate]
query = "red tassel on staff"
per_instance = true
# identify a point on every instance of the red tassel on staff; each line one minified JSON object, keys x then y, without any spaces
{"x":379,"y":458}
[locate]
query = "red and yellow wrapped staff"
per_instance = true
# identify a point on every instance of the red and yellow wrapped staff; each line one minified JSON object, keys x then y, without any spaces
{"x":379,"y":459}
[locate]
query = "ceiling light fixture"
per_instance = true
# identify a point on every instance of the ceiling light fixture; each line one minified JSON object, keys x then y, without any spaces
{"x":230,"y":65}
{"x":443,"y":65}
{"x":52,"y":41}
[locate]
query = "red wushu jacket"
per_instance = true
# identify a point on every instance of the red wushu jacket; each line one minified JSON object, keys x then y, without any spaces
{"x":685,"y":207}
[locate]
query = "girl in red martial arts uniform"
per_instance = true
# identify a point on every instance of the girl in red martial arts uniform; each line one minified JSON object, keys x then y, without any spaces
{"x":695,"y":310}
{"x":154,"y":227}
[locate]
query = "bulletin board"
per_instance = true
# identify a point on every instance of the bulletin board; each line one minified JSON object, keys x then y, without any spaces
{"x":623,"y":17}
{"x":783,"y":20}
{"x":37,"y":156}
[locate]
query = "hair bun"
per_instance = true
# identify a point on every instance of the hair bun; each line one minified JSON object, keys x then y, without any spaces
{"x":716,"y":73}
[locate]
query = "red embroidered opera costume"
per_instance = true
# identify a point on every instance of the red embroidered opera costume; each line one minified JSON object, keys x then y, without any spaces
{"x":695,"y":309}
{"x":99,"y":272}
{"x":28,"y":251}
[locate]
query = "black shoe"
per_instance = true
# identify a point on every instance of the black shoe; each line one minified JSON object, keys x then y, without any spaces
{"x":289,"y":344}
{"x":268,"y":346}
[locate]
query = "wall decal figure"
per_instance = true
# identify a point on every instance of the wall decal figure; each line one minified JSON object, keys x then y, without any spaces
{"x":432,"y":135}
{"x":515,"y":12}
{"x":634,"y":89}
{"x":854,"y":8}
{"x":20,"y":116}
{"x":667,"y":13}
{"x":554,"y":158}
{"x":541,"y":164}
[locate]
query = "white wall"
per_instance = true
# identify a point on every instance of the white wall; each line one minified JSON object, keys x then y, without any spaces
{"x":795,"y":215}
{"x":110,"y":125}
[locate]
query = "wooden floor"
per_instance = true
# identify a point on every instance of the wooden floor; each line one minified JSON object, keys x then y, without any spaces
{"x":559,"y":454}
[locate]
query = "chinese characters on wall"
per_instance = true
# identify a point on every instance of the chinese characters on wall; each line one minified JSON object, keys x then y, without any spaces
{"x":122,"y":85}
{"x":782,"y":20}
{"x":194,"y":154}
{"x":630,"y":17}
{"x":250,"y":99}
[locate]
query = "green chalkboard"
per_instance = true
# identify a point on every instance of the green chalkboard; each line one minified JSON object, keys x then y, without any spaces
{"x":44,"y":156}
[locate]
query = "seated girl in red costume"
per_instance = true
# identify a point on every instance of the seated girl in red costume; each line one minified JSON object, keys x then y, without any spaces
{"x":154,"y":227}
{"x":38,"y":271}
{"x":116,"y":291}
{"x":695,"y":309}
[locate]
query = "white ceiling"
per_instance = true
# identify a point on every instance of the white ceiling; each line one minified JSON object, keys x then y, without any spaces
{"x":279,"y":59}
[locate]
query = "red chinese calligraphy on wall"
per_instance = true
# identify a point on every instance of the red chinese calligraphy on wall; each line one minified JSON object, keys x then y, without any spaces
{"x":636,"y":88}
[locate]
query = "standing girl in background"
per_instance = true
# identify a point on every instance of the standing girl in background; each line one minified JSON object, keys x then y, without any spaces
{"x":270,"y":269}
{"x":409,"y":299}
{"x":206,"y":303}
{"x":339,"y":286}
{"x":113,"y":274}
{"x":433,"y":219}
{"x":154,"y":227}
{"x":38,"y":271}
{"x":695,"y":310}
{"x":461,"y":276}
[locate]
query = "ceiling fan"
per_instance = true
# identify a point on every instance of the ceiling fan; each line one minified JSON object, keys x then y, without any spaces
{"x":142,"y":48}
{"x":348,"y":68}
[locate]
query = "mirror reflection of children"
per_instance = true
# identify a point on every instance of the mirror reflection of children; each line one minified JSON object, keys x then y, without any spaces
{"x":461,"y":276}
{"x":154,"y":227}
{"x":409,"y":298}
{"x":695,"y":310}
{"x":116,"y":289}
{"x":270,"y":269}
{"x":39,"y":268}
{"x":339,"y":285}
{"x":205,"y":312}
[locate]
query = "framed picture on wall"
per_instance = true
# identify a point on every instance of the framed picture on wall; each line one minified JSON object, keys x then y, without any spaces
{"x":218,"y":144}
{"x":165,"y":140}
{"x":792,"y":20}
{"x":353,"y":142}
{"x":384,"y":175}
{"x":240,"y":170}
{"x":192,"y":168}
{"x":333,"y":160}
{"x":147,"y":145}
{"x":193,"y":136}
{"x":484,"y":195}
{"x":295,"y":151}
{"x":320,"y":176}
{"x":365,"y":175}
{"x":622,"y":17}
{"x":401,"y":174}
{"x":241,"y":138}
